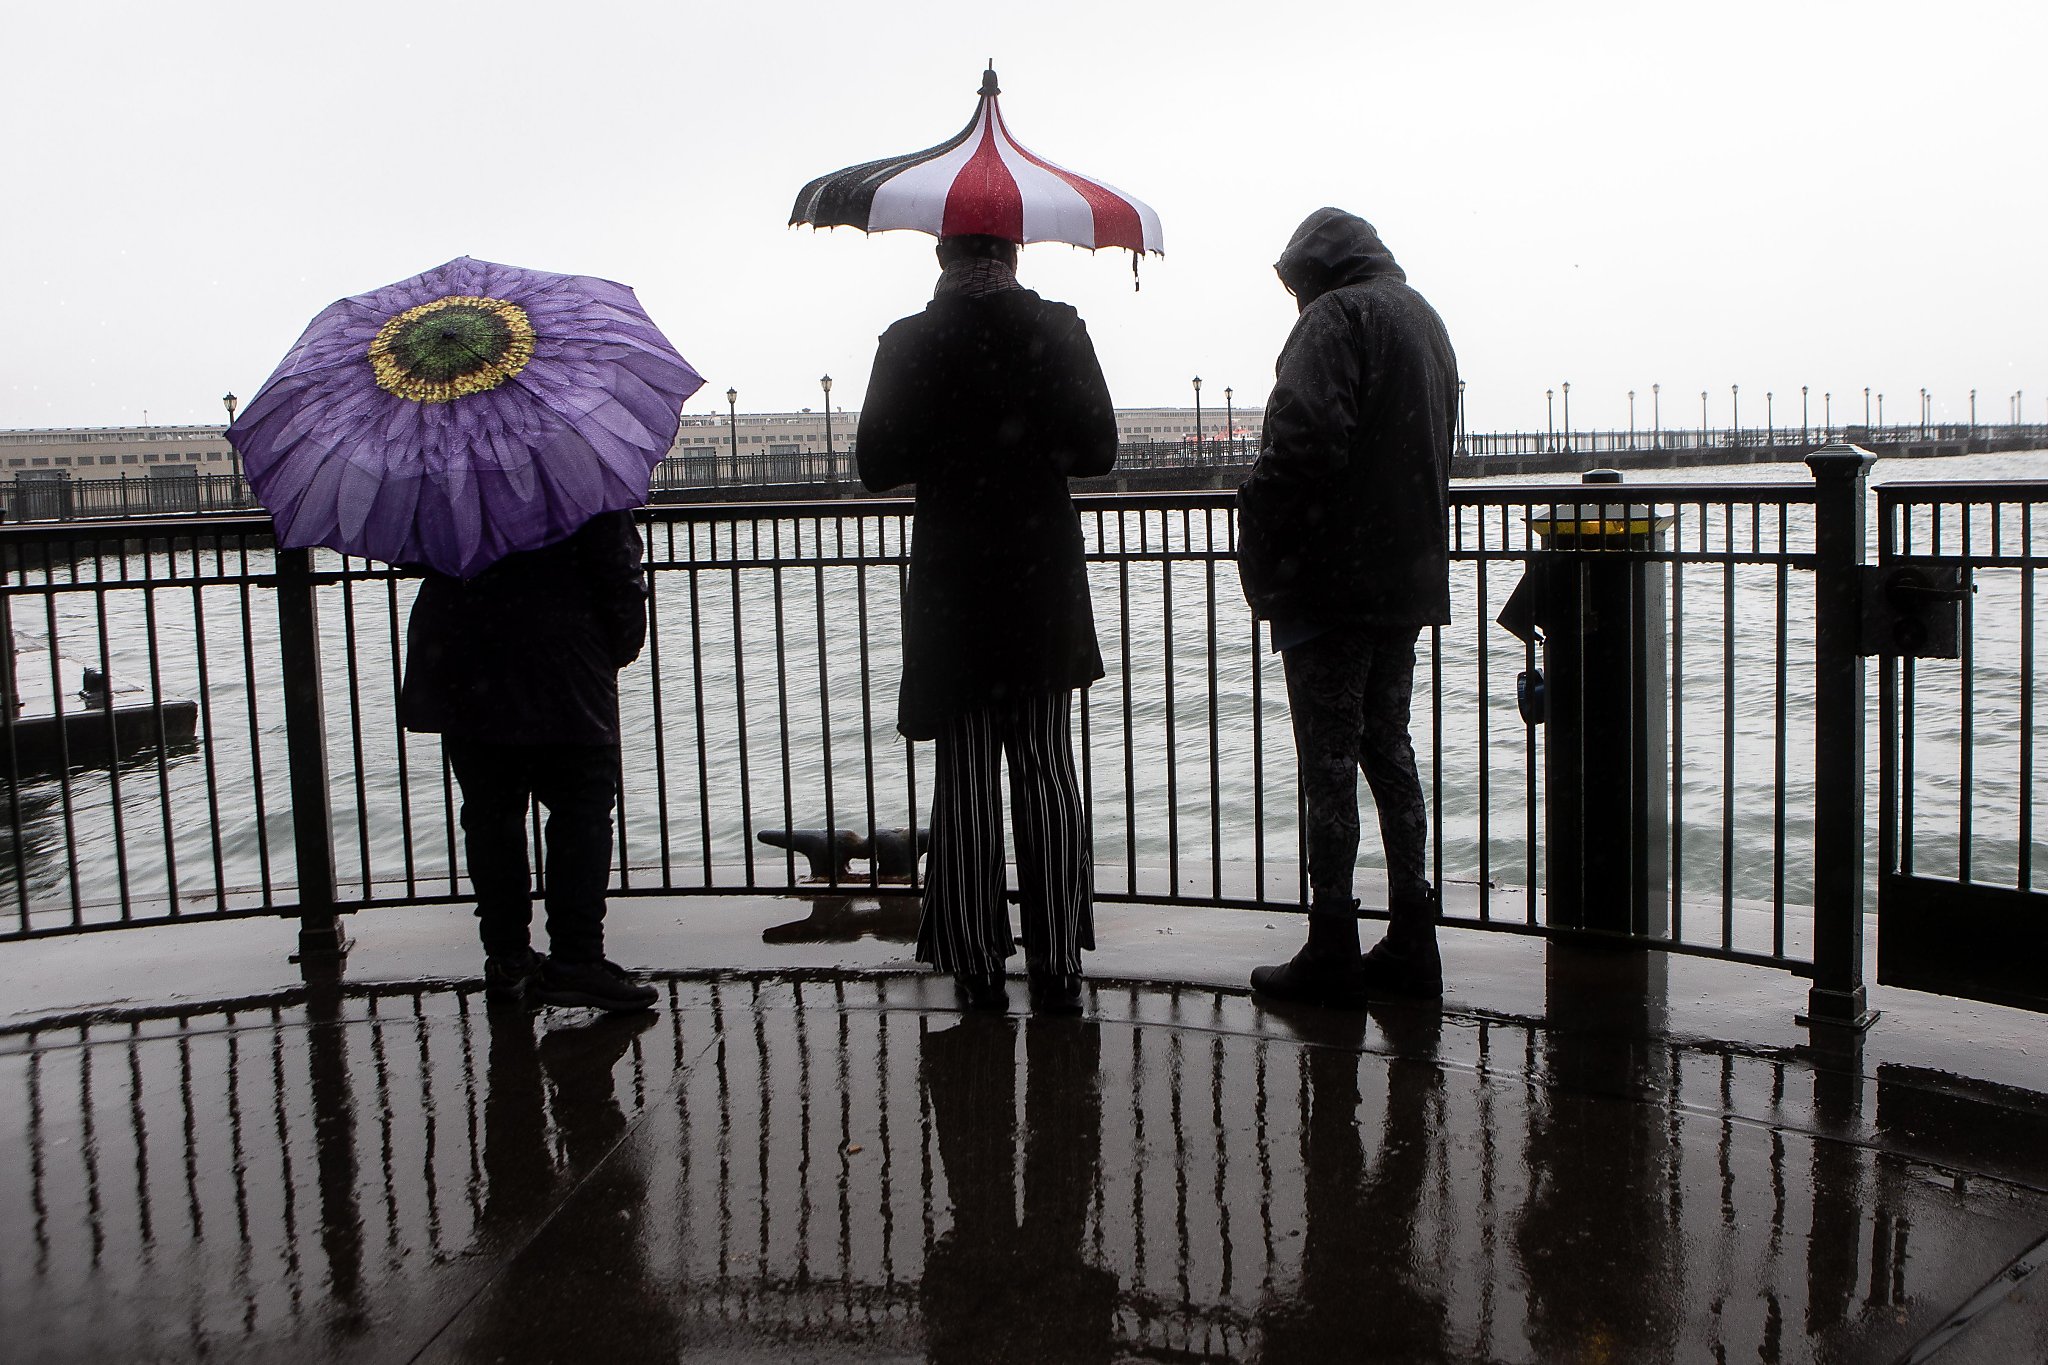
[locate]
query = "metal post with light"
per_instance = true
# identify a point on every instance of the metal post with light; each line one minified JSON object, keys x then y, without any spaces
{"x":1735,"y":414}
{"x":1703,"y":419}
{"x":1198,"y":417}
{"x":1567,"y":387}
{"x":1550,"y":419}
{"x":1656,"y":416}
{"x":732,"y":433}
{"x":1230,"y":421}
{"x":1462,"y":450}
{"x":230,"y":402}
{"x":826,"y":384}
{"x":1770,"y":421}
{"x":1802,"y":416}
{"x":1631,"y":419}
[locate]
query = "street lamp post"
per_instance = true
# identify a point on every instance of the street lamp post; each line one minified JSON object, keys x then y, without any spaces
{"x":1973,"y":413}
{"x":1198,"y":418}
{"x":826,"y":383}
{"x":1827,"y":415}
{"x":1631,"y":419}
{"x":1567,"y":387}
{"x":230,"y":402}
{"x":1550,"y":419}
{"x":1735,"y":414}
{"x":732,"y":433}
{"x":1461,"y":418}
{"x":1703,"y":419}
{"x":1230,"y":421}
{"x":1923,"y":414}
{"x":1866,"y":408}
{"x":1770,"y":421}
{"x":1880,"y":410}
{"x":1656,"y":416}
{"x":1802,"y":416}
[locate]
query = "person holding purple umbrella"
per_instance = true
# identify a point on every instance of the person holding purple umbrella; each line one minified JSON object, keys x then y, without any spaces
{"x":517,"y":669}
{"x":493,"y":426}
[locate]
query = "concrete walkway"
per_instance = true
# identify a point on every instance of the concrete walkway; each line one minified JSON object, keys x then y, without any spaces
{"x":808,"y":1154}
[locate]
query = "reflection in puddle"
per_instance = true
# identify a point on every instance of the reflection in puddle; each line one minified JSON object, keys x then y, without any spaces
{"x":849,"y":1165}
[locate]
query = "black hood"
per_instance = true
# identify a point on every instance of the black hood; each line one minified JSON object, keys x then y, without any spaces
{"x":1331,"y":249}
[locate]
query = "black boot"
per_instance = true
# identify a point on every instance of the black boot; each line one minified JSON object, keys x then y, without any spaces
{"x":1405,"y":963}
{"x":1327,"y":971}
{"x":1055,"y":992}
{"x":981,"y":991}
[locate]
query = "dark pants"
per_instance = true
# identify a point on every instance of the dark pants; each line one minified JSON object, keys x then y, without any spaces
{"x":1348,"y":690}
{"x":576,"y":784}
{"x":966,"y":922}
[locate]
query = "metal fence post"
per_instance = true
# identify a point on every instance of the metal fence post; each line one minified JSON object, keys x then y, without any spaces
{"x":322,"y":942}
{"x":1837,"y":997}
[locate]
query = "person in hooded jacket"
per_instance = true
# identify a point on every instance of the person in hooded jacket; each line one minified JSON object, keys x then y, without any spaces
{"x":1342,"y":550}
{"x":517,"y":669}
{"x":988,"y":401}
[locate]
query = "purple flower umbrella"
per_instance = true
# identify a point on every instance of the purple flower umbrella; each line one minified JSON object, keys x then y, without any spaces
{"x":463,"y":414}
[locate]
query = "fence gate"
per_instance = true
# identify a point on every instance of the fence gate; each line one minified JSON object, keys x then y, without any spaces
{"x":1950,"y":610}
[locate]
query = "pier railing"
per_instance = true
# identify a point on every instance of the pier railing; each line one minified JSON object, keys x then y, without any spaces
{"x":765,"y":699}
{"x":1210,"y":462}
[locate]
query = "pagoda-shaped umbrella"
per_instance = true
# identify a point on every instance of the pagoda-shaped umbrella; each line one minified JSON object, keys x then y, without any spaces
{"x":981,"y":181}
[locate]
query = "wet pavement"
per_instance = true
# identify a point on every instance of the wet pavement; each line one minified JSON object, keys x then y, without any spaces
{"x":809,"y":1154}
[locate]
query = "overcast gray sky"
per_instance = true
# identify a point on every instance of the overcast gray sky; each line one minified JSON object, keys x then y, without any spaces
{"x":1762,"y":194}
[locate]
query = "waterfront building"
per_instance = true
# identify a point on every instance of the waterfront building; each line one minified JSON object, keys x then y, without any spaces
{"x":115,"y":452}
{"x":78,"y":453}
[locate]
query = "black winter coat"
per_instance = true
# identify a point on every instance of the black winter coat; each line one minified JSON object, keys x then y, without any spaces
{"x":989,"y":405}
{"x":1343,"y":518}
{"x":529,"y":651}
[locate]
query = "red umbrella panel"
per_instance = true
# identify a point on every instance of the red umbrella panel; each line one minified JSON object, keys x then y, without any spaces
{"x":981,"y":181}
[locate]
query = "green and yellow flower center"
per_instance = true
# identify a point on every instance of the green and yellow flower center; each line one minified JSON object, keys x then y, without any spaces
{"x":451,"y":348}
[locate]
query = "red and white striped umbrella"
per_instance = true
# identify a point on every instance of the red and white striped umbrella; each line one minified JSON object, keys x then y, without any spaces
{"x":981,"y":181}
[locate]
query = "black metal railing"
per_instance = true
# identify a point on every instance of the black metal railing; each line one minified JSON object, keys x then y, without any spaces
{"x":765,"y":698}
{"x":67,"y":498}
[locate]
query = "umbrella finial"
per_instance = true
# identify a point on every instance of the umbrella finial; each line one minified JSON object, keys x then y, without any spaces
{"x":988,"y":79}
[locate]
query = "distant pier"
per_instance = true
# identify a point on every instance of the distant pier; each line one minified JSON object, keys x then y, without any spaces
{"x":1153,"y":467}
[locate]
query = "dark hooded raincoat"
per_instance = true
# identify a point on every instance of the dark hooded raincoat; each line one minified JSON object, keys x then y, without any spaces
{"x":1342,"y":521}
{"x":989,"y":405}
{"x":529,"y":651}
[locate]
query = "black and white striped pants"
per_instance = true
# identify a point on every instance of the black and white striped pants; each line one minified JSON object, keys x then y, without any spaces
{"x":966,"y":921}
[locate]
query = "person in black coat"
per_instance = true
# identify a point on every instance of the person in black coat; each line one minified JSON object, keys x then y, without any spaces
{"x":518,"y":670}
{"x":1342,"y":548}
{"x":989,"y":401}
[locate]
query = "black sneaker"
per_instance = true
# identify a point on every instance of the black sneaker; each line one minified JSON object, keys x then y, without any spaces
{"x":598,"y":985}
{"x":1412,"y":970}
{"x":1332,"y":981}
{"x":509,"y":980}
{"x":1055,"y":992}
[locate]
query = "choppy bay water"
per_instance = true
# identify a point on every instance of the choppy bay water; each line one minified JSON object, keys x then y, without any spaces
{"x":766,"y":697}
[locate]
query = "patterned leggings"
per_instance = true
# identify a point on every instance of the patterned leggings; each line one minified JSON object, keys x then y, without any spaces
{"x":1349,"y":690}
{"x":966,"y":922}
